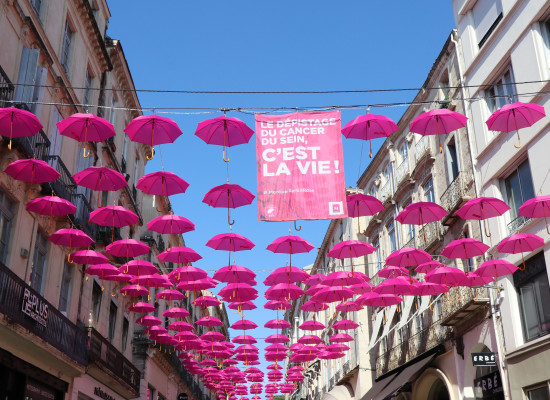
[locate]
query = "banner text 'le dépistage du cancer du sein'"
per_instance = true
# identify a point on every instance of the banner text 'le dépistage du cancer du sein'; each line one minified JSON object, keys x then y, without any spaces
{"x":300,"y":167}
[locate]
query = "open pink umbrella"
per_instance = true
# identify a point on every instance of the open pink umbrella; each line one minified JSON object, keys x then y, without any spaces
{"x":341,"y":338}
{"x":361,"y":288}
{"x":86,"y":128}
{"x":331,"y":294}
{"x":206,"y":301}
{"x":241,"y":306}
{"x":537,"y":207}
{"x":70,"y":238}
{"x":383,"y":300}
{"x":175,"y":312}
{"x":152,"y":130}
{"x":313,"y":306}
{"x":408,"y":257}
{"x":127,"y":248}
{"x":224,"y":131}
{"x":392,"y":271}
{"x":496,"y":268}
{"x":152,"y":280}
{"x":162,"y":183}
{"x":113,"y":216}
{"x":428,"y":266}
{"x":350,"y":249}
{"x":138,"y":267}
{"x":103,"y":270}
{"x":400,"y":285}
{"x":368,"y":127}
{"x":310,"y":339}
{"x":421,"y":213}
{"x":465,"y":248}
{"x":482,"y":208}
{"x":149,"y":320}
{"x":187,"y":273}
{"x":348,"y":306}
{"x":430,"y":289}
{"x":52,"y":206}
{"x":345,"y":325}
{"x":244,"y":324}
{"x":447,"y":276}
{"x":171,"y":294}
{"x":228,"y":196}
{"x":520,"y":243}
{"x":245,"y":339}
{"x":314,"y":279}
{"x":277,"y":338}
{"x":179,"y":255}
{"x":290,"y":245}
{"x":16,"y":122}
{"x":230,"y":242}
{"x":142,"y":308}
{"x":238,"y":292}
{"x":341,"y":278}
{"x":31,"y":170}
{"x":89,"y":257}
{"x":286,"y":275}
{"x":234,"y":274}
{"x":283,"y":291}
{"x":170,"y":224}
{"x":438,"y":122}
{"x":134,"y":291}
{"x":209,"y":321}
{"x":513,"y":117}
{"x":277,"y":324}
{"x":277,"y":305}
{"x":100,"y":179}
{"x":196,"y":285}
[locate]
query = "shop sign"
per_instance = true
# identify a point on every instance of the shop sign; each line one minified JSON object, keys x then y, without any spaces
{"x":488,"y":385}
{"x":182,"y":396}
{"x":484,"y":359}
{"x":36,"y":391}
{"x":35,"y":307}
{"x":102,"y":395}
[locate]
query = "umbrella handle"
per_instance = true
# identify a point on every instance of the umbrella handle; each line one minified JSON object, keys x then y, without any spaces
{"x":152,"y":154}
{"x":296,"y":227}
{"x":223,"y":156}
{"x":229,"y":221}
{"x":517,"y":146}
{"x":84,"y":154}
{"x":485,"y":227}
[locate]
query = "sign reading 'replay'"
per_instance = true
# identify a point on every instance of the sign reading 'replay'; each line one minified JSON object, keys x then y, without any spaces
{"x":300,"y":167}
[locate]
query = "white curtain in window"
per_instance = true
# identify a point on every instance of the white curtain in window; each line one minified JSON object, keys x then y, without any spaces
{"x":485,"y":13}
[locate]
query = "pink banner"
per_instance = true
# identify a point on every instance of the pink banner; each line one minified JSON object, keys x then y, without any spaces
{"x":300,"y":167}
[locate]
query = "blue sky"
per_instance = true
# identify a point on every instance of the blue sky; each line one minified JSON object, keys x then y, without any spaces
{"x":268,"y":46}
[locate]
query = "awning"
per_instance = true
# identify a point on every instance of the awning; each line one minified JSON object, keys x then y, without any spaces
{"x":339,"y":392}
{"x":387,"y":387}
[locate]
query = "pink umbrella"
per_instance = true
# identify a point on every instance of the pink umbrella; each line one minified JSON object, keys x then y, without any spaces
{"x":482,"y":208}
{"x":230,"y":242}
{"x":341,"y":338}
{"x":224,"y":131}
{"x":464,"y":248}
{"x":513,"y":117}
{"x":368,"y":127}
{"x":199,"y":284}
{"x":331,"y":294}
{"x":104,"y":271}
{"x":100,"y":179}
{"x":350,"y":249}
{"x":438,"y":122}
{"x":284,"y":291}
{"x":361,"y":288}
{"x":138,"y":267}
{"x":277,"y":324}
{"x":175,"y":312}
{"x":171,"y":294}
{"x":430,"y":289}
{"x":152,"y":130}
{"x":348,"y":306}
{"x":209,"y":321}
{"x":179,"y":255}
{"x":187,"y":273}
{"x":400,"y":285}
{"x":241,"y":306}
{"x":383,"y":300}
{"x":70,"y":238}
{"x":447,"y":276}
{"x":113,"y":216}
{"x":421,"y":213}
{"x":162,"y":183}
{"x":31,"y":170}
{"x":341,"y":278}
{"x":345,"y":325}
{"x":519,"y":243}
{"x":86,"y":128}
{"x":50,"y":205}
{"x":184,"y":329}
{"x":228,"y":196}
{"x":278,"y":338}
{"x":314,"y":289}
{"x":170,"y":224}
{"x":290,"y":245}
{"x":212,"y":336}
{"x":142,"y":308}
{"x":408,"y":257}
{"x":314,"y":279}
{"x":537,"y":207}
{"x":392,"y":271}
{"x":244,"y":324}
{"x":149,"y":320}
{"x":127,"y":248}
{"x":313,"y":306}
{"x":86,"y":257}
{"x":473,"y":280}
{"x":277,"y":305}
{"x":286,"y":275}
{"x":134,"y":290}
{"x":428,"y":266}
{"x":206,"y":301}
{"x":15,"y":122}
{"x":496,"y":268}
{"x":245,"y":339}
{"x":234,"y":274}
{"x":310,"y":339}
{"x":238,"y":292}
{"x":152,"y":280}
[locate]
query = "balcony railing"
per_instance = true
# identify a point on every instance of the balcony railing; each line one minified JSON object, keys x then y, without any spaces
{"x":428,"y":235}
{"x":402,"y":172}
{"x":516,"y":224}
{"x":457,"y":192}
{"x":106,"y":355}
{"x":24,"y":306}
{"x":7,"y":90}
{"x":410,"y":243}
{"x":36,"y":146}
{"x":458,"y":300}
{"x":386,"y":192}
{"x":82,"y":215}
{"x":65,"y":185}
{"x":423,"y":147}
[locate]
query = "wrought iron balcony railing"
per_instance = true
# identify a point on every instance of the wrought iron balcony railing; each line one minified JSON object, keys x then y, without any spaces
{"x":386,"y":192}
{"x":106,"y":355}
{"x":7,"y":90}
{"x":457,"y":192}
{"x":24,"y":306}
{"x":82,"y":215}
{"x":65,"y":185}
{"x":402,"y":172}
{"x":423,"y":147}
{"x":516,"y":224}
{"x":428,"y":235}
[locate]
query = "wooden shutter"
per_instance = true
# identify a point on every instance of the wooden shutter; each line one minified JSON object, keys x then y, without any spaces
{"x":27,"y":75}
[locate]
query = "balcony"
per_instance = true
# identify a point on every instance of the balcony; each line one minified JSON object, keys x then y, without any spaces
{"x":402,"y":172}
{"x":65,"y":185}
{"x":423,"y":147}
{"x":82,"y":215}
{"x":463,"y":305}
{"x":109,"y":366}
{"x":428,"y":235}
{"x":516,"y":224}
{"x":25,"y":307}
{"x":455,"y":196}
{"x":7,"y":90}
{"x":386,"y":192}
{"x":36,"y":146}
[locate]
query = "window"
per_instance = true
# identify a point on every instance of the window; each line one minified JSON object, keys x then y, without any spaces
{"x":160,"y":397}
{"x":500,"y":93}
{"x":469,"y":263}
{"x":378,"y":255}
{"x":428,"y":187}
{"x":87,"y":87}
{"x":136,"y":174}
{"x":97,"y":294}
{"x":487,"y":15}
{"x":37,"y":6}
{"x":404,"y":151}
{"x":519,"y":188}
{"x":409,"y":232}
{"x":39,"y":262}
{"x":66,"y":48}
{"x":150,"y":393}
{"x":540,"y":393}
{"x":452,"y":160}
{"x":125,"y":329}
{"x":113,"y":310}
{"x":534,"y":295}
{"x":387,"y":173}
{"x":65,"y":293}
{"x":391,"y":236}
{"x":6,"y":217}
{"x":113,"y":110}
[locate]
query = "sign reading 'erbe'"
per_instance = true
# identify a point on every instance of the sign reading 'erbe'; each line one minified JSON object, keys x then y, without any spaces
{"x":488,"y":385}
{"x":34,"y":307}
{"x":484,"y":359}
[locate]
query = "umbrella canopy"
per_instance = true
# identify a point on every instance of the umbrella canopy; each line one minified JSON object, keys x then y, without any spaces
{"x":465,"y":248}
{"x":127,"y":248}
{"x":383,"y":300}
{"x":421,"y":213}
{"x":175,"y":312}
{"x":360,"y":205}
{"x":428,"y":266}
{"x":50,"y":205}
{"x":341,"y":278}
{"x":400,"y":285}
{"x":179,"y":255}
{"x":368,"y":127}
{"x":482,"y":208}
{"x":70,"y":238}
{"x":31,"y":170}
{"x":408,"y":257}
{"x":142,"y":308}
{"x":86,"y":128}
{"x":238,"y":292}
{"x":350,"y":249}
{"x":513,"y":117}
{"x":170,"y":224}
{"x":244,"y":324}
{"x":224,"y":131}
{"x":209,"y":321}
{"x":430,"y":289}
{"x":187,"y":273}
{"x":134,"y":290}
{"x":230,"y":242}
{"x":277,"y":305}
{"x":345,"y":325}
{"x":277,"y":338}
{"x":234,"y":274}
{"x":152,"y":130}
{"x":162,"y":183}
{"x":103,"y":270}
{"x":206,"y":301}
{"x":100,"y":178}
{"x":277,"y":324}
{"x":91,"y":257}
{"x":242,"y":305}
{"x":314,"y":279}
{"x":361,"y":288}
{"x":537,"y":207}
{"x":313,"y":306}
{"x":286,"y":275}
{"x":447,"y":276}
{"x":138,"y":267}
{"x":348,"y":306}
{"x":331,"y":294}
{"x":438,"y":122}
{"x":520,"y":243}
{"x":171,"y":294}
{"x":290,"y":245}
{"x":392,"y":271}
{"x":310,"y":339}
{"x":149,"y":320}
{"x":115,"y":216}
{"x":245,"y":339}
{"x":341,"y":338}
{"x":496,"y":268}
{"x":228,"y":196}
{"x":284,"y":291}
{"x":16,"y":122}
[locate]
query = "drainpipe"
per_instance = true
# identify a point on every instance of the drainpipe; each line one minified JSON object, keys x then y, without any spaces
{"x":497,"y":321}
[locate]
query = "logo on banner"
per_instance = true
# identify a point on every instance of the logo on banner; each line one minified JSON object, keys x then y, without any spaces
{"x":300,"y":166}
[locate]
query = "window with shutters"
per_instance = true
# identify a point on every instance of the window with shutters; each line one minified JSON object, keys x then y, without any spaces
{"x":97,"y":296}
{"x":428,"y":187}
{"x":377,"y":254}
{"x":487,"y":15}
{"x":66,"y":46}
{"x":502,"y":91}
{"x":392,"y":236}
{"x":39,"y":263}
{"x":27,"y":75}
{"x":452,"y":160}
{"x":518,"y":188}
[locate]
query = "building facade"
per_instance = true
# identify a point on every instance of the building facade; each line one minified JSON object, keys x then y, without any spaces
{"x":506,"y":53}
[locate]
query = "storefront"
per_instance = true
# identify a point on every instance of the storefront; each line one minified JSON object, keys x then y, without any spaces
{"x":20,"y":380}
{"x":86,"y":387}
